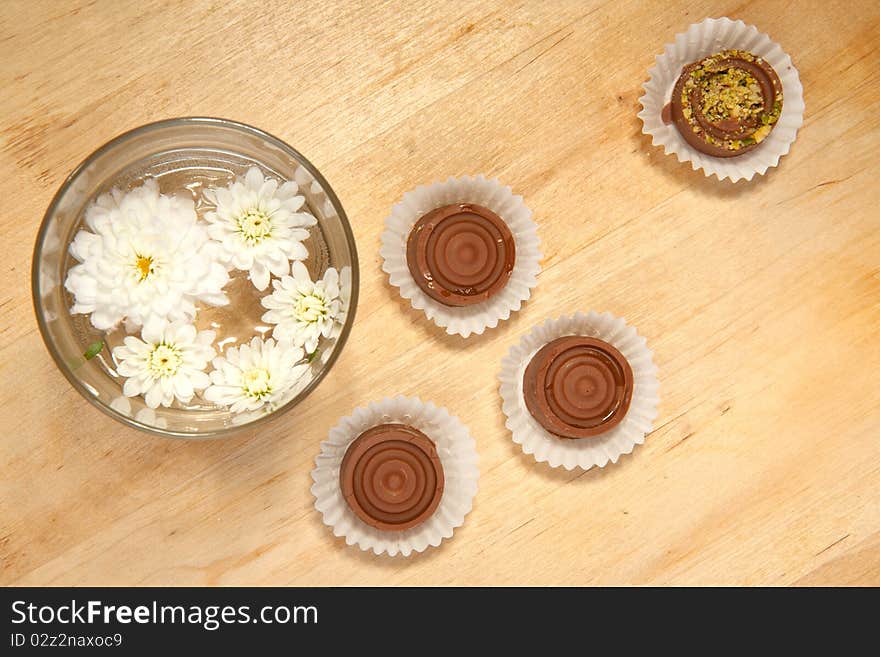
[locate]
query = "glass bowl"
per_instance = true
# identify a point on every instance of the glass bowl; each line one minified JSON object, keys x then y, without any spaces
{"x":183,"y":155}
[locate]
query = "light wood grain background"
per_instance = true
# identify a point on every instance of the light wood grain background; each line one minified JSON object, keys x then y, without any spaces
{"x":761,"y":301}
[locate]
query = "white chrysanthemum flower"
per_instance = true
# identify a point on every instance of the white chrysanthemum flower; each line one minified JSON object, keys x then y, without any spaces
{"x":302,"y":310}
{"x":256,"y":375}
{"x":258,"y":223}
{"x":142,"y":255}
{"x":167,"y":364}
{"x":345,"y":307}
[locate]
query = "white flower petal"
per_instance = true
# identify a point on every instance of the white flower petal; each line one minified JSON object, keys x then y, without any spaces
{"x":267,"y":189}
{"x":199,"y":380}
{"x":253,"y":178}
{"x":131,"y":388}
{"x":300,"y":273}
{"x":154,"y":329}
{"x":287,"y":191}
{"x":183,"y":388}
{"x":184,"y":333}
{"x":260,"y":276}
{"x":154,"y":396}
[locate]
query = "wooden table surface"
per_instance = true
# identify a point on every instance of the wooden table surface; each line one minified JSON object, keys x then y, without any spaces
{"x":760,"y":300}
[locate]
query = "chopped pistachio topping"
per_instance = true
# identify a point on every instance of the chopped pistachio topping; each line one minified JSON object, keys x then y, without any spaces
{"x":729,"y":94}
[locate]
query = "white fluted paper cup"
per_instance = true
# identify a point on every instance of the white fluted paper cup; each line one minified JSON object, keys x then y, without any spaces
{"x":581,"y":452}
{"x":701,"y":40}
{"x":458,"y":456}
{"x":464,"y":320}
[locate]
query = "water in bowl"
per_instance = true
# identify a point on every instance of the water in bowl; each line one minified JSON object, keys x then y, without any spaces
{"x":189,"y":172}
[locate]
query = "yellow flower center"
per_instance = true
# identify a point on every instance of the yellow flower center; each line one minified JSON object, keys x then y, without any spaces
{"x":254,"y":225}
{"x":164,"y":360}
{"x":311,"y":308}
{"x":257,"y":383}
{"x":144,"y":266}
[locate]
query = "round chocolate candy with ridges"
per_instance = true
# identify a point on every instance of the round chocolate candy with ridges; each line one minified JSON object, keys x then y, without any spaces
{"x":391,"y":477}
{"x":578,"y":387}
{"x":726,"y":104}
{"x":460,"y":254}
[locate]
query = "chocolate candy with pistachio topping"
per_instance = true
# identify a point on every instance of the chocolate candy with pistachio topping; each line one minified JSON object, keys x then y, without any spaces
{"x":726,"y":104}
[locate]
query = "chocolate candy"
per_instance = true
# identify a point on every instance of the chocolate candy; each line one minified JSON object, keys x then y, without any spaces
{"x":460,"y":254}
{"x":391,"y":477}
{"x":726,"y":104}
{"x":578,"y":387}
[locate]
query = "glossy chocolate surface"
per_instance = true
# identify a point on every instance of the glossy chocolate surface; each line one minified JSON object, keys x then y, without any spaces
{"x":578,"y":387}
{"x":391,"y":477}
{"x":461,"y":254}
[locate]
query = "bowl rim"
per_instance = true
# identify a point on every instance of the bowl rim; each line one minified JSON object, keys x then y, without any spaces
{"x":116,"y":141}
